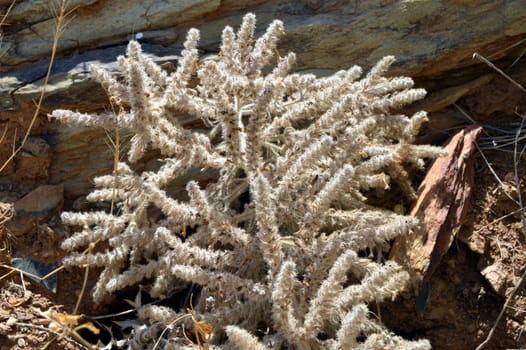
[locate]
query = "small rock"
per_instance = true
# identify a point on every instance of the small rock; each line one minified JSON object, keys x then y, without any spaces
{"x":30,"y":168}
{"x":475,"y":241}
{"x":41,"y":201}
{"x":497,"y":277}
{"x":35,"y":208}
{"x":11,"y":321}
{"x":39,"y":269}
{"x":37,"y":147}
{"x":21,"y":342}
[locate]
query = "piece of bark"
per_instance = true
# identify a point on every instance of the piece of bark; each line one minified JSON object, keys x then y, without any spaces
{"x":441,"y":206}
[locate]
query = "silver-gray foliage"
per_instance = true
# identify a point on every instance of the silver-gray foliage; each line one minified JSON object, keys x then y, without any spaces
{"x":276,"y":237}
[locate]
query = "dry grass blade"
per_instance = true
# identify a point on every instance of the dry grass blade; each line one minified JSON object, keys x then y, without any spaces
{"x":28,"y":274}
{"x":57,"y":334}
{"x":516,"y":160}
{"x":4,"y":16}
{"x":504,"y":75}
{"x":82,"y":290}
{"x":520,"y":210}
{"x":61,"y":22}
{"x":61,"y":14}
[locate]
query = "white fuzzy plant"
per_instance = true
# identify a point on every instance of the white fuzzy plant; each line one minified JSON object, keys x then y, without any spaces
{"x":276,"y":238}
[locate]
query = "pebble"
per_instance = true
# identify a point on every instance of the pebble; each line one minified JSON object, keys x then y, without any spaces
{"x":496,"y":276}
{"x":11,"y":321}
{"x":21,"y":342}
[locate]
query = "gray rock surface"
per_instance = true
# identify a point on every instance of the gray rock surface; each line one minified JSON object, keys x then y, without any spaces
{"x":428,"y":36}
{"x":433,"y":41}
{"x":35,"y":208}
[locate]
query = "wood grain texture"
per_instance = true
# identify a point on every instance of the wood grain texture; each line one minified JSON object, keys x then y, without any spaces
{"x":442,"y":204}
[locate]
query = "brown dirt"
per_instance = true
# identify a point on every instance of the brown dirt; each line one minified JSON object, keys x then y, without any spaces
{"x":468,"y":289}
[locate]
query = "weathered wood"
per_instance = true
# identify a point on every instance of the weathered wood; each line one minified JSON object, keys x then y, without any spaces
{"x":443,"y":201}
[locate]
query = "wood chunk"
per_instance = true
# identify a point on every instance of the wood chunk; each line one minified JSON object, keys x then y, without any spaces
{"x":441,"y":206}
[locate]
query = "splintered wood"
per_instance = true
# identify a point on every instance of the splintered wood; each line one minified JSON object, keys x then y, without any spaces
{"x":442,"y":203}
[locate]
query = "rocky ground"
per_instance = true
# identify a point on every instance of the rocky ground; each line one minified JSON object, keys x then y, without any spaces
{"x":474,"y":280}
